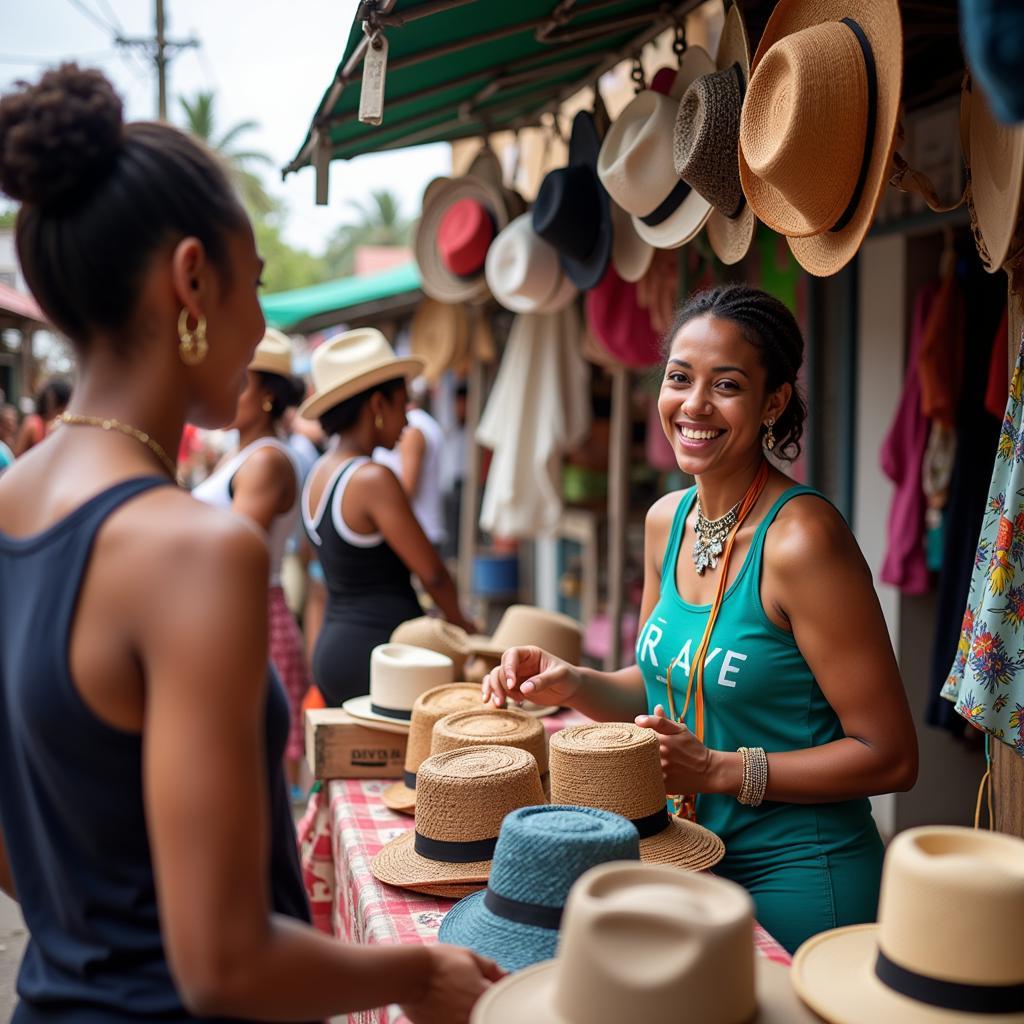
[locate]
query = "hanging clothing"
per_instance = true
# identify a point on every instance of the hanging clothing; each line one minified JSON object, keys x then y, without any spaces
{"x":941,"y":355}
{"x":999,"y":369}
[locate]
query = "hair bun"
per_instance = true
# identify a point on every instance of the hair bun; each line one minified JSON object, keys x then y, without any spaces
{"x":59,"y":137}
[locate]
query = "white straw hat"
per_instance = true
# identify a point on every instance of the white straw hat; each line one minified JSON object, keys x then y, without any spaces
{"x":524,"y":272}
{"x":273,"y":354}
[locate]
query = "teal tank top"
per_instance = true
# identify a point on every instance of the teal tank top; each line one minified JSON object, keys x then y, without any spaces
{"x":758,"y":692}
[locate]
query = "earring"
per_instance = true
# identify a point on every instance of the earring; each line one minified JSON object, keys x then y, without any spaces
{"x":769,"y":434}
{"x":379,"y":422}
{"x":192,"y":345}
{"x":268,"y":405}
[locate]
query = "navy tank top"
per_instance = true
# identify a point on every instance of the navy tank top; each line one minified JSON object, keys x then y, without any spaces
{"x":71,"y":802}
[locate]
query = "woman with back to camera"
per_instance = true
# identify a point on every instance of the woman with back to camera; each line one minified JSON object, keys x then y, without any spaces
{"x":799,"y":670}
{"x":144,"y":822}
{"x":51,"y":401}
{"x":358,"y":517}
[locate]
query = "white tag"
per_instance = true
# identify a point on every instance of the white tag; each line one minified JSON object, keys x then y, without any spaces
{"x":375,"y":66}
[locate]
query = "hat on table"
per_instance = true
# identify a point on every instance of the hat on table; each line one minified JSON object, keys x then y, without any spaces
{"x":439,"y":335}
{"x":524,"y":273}
{"x":435,"y":635}
{"x":650,"y":943}
{"x":948,"y":945}
{"x":818,"y":126}
{"x":522,"y":624}
{"x":541,"y":852}
{"x":462,"y":797}
{"x":273,"y":354}
{"x":398,"y":675}
{"x":352,"y":363}
{"x":483,"y":726}
{"x":617,"y":766}
{"x":427,"y":709}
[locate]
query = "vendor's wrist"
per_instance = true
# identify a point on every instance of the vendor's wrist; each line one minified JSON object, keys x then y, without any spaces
{"x":419,"y":973}
{"x":726,"y":772}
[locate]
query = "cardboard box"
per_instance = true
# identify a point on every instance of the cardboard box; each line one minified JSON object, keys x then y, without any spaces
{"x":339,"y":747}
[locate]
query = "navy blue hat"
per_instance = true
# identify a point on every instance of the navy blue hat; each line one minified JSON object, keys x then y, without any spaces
{"x":541,"y":852}
{"x":993,"y":34}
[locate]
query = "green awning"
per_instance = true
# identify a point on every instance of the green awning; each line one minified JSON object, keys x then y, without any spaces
{"x":347,"y":300}
{"x":462,"y":68}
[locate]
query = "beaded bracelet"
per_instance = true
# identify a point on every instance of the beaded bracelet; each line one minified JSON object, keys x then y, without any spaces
{"x":755,"y":776}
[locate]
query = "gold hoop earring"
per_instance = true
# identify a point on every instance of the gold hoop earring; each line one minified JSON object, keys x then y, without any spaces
{"x":268,"y":405}
{"x":192,"y":345}
{"x":769,"y":434}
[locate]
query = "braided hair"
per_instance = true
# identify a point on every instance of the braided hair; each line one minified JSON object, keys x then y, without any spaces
{"x":772,"y":329}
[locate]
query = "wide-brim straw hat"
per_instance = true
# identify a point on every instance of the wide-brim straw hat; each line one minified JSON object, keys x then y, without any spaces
{"x":948,"y":945}
{"x":818,"y":126}
{"x":439,"y":335}
{"x":352,"y":363}
{"x":428,"y":708}
{"x":654,"y":944}
{"x":616,"y":766}
{"x":521,"y":625}
{"x":435,"y":635}
{"x":462,"y":797}
{"x":483,"y":726}
{"x":273,"y":354}
{"x":524,"y":273}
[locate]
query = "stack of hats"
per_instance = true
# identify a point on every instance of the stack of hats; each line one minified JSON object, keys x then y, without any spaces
{"x":483,"y":726}
{"x":435,"y":635}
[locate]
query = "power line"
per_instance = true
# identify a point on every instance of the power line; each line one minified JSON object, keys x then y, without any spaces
{"x":111,"y":14}
{"x":89,"y":13}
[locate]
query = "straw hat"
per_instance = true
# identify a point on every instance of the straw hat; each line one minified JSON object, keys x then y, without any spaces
{"x":803,"y":177}
{"x":524,"y":273}
{"x":273,"y":354}
{"x":949,"y":943}
{"x":617,"y":766}
{"x":427,"y":709}
{"x":481,"y":726}
{"x":398,"y":675}
{"x":438,"y":335}
{"x":541,"y":852}
{"x":523,"y":625}
{"x":636,"y":165}
{"x":649,"y":943}
{"x":461,"y":798}
{"x":435,"y":635}
{"x":707,"y":139}
{"x":631,"y":255}
{"x":352,"y":363}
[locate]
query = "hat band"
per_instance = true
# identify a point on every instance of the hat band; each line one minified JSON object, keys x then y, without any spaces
{"x":409,"y":778}
{"x":869,"y":135}
{"x":668,"y":205}
{"x":949,"y":995}
{"x":451,"y":852}
{"x":523,"y":913}
{"x":400,"y":713}
{"x":651,"y":824}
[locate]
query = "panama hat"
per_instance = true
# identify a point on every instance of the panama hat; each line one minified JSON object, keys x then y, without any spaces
{"x":524,"y":273}
{"x":435,"y":635}
{"x":439,"y":335}
{"x":636,"y":165}
{"x":948,"y":945}
{"x":352,"y":363}
{"x":428,"y":708}
{"x":482,"y":726}
{"x":273,"y":354}
{"x":642,"y":942}
{"x":541,"y":852}
{"x":398,"y":675}
{"x":818,"y":126}
{"x":617,"y":766}
{"x":706,"y":141}
{"x":461,"y":798}
{"x":522,"y":625}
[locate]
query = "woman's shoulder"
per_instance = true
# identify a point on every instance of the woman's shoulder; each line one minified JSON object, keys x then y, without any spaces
{"x":807,"y":529}
{"x":663,"y":511}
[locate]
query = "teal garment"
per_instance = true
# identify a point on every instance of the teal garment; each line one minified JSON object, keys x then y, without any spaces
{"x":809,"y":867}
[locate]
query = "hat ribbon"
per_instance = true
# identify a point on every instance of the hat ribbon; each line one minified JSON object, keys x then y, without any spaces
{"x":668,"y":205}
{"x":454,"y":852}
{"x":949,"y":995}
{"x":409,"y":778}
{"x":378,"y":709}
{"x":535,"y":914}
{"x":738,"y":72}
{"x":651,"y":824}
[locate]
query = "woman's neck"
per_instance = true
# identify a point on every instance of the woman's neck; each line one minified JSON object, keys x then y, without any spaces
{"x":254,"y":432}
{"x":720,"y":491}
{"x":354,"y":442}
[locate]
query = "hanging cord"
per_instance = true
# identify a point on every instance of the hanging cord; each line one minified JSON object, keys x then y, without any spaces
{"x":985,"y":788}
{"x":637,"y":74}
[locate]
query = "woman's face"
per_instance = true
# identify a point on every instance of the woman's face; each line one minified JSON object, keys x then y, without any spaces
{"x":392,"y":413}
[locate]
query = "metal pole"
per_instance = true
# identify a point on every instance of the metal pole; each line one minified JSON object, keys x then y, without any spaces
{"x":618,"y":510}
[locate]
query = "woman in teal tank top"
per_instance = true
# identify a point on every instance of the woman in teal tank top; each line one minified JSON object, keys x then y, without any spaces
{"x":799,"y":662}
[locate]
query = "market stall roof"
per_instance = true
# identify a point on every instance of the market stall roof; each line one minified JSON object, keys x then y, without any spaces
{"x":18,"y":309}
{"x":347,"y":300}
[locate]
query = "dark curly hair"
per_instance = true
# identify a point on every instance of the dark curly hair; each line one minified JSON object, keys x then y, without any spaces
{"x":285,"y":392}
{"x":770,"y":327}
{"x":100,"y":197}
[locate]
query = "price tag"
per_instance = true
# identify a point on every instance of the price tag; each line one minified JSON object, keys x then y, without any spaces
{"x":375,"y":66}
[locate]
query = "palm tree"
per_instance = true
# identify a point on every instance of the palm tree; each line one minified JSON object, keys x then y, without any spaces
{"x":377,"y":222}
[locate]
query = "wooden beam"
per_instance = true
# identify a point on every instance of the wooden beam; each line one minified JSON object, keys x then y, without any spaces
{"x":469,"y":513}
{"x":618,"y":510}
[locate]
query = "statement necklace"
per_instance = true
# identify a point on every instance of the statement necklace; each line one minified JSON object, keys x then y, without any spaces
{"x":711,"y":537}
{"x":109,"y":423}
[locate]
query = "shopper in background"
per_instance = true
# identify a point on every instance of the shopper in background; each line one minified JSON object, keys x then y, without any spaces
{"x":51,"y":400}
{"x":8,"y":431}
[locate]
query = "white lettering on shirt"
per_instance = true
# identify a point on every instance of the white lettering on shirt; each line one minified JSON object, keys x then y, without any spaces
{"x":651,"y":638}
{"x":728,"y":668}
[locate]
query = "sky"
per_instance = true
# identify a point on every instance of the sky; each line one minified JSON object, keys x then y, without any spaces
{"x":267,"y":61}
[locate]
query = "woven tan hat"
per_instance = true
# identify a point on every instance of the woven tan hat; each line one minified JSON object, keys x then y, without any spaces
{"x":481,"y":726}
{"x":461,"y":798}
{"x":439,"y":335}
{"x":948,"y":945}
{"x":616,"y":766}
{"x":523,"y":625}
{"x":818,"y":126}
{"x":428,"y":708}
{"x":435,"y":635}
{"x":273,"y":354}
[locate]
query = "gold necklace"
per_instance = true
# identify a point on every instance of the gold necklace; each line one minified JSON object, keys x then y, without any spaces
{"x":109,"y":423}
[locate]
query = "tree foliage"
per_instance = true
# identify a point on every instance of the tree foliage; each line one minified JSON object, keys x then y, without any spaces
{"x":379,"y":221}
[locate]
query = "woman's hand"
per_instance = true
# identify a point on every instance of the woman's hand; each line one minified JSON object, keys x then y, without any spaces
{"x":687,"y":765}
{"x":528,"y":673}
{"x":456,"y":981}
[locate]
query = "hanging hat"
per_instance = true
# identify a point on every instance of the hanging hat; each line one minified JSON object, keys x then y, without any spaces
{"x":524,"y":273}
{"x":461,"y":798}
{"x":992,"y":33}
{"x":572,"y":210}
{"x":464,"y":234}
{"x":641,"y":942}
{"x":427,"y":709}
{"x":948,"y":945}
{"x":438,"y":335}
{"x":636,"y":165}
{"x":435,"y":635}
{"x":619,"y":323}
{"x":481,"y":726}
{"x":523,"y":625}
{"x":617,"y":766}
{"x":352,"y":363}
{"x":819,"y":124}
{"x":398,"y":675}
{"x":706,"y":141}
{"x":541,"y":852}
{"x":273,"y":354}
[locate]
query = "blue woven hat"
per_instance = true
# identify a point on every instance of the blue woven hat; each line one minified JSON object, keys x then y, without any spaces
{"x":541,"y":852}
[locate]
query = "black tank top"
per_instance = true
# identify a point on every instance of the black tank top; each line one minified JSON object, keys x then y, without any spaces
{"x":71,"y":802}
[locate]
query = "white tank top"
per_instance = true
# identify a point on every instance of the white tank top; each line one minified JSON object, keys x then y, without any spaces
{"x":216,"y":490}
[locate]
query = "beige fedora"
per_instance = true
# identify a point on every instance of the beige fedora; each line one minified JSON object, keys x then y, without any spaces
{"x":818,"y":126}
{"x":636,"y":166}
{"x":428,"y":708}
{"x":523,"y":625}
{"x":350,"y":364}
{"x":481,"y":726}
{"x":616,"y":766}
{"x":439,"y":335}
{"x":524,"y":273}
{"x":273,"y":354}
{"x":949,"y":943}
{"x":399,"y":673}
{"x":631,"y":255}
{"x":649,"y":943}
{"x":435,"y":635}
{"x":461,"y":798}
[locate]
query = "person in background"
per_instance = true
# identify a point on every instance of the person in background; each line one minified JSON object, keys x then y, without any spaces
{"x":8,"y":431}
{"x":453,"y":468}
{"x":51,"y":400}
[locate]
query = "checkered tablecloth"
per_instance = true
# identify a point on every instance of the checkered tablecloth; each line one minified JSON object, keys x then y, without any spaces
{"x":344,"y":826}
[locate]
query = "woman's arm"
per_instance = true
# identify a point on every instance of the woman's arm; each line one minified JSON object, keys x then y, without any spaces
{"x":264,"y":487}
{"x":6,"y":878}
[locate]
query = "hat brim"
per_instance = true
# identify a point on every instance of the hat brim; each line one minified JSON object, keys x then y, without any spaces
{"x":731,"y":237}
{"x":454,"y":892}
{"x":262,"y":362}
{"x":631,"y":255}
{"x":439,"y":348}
{"x":359,"y":708}
{"x":684,"y":844}
{"x":399,"y":864}
{"x":316,"y":405}
{"x":400,"y":798}
{"x":834,"y":974}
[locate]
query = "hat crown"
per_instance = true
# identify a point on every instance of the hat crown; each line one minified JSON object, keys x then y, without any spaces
{"x":566,"y":212}
{"x":481,"y":726}
{"x":522,"y":270}
{"x":427,"y":709}
{"x":347,"y":356}
{"x":554,"y":632}
{"x":273,"y":354}
{"x":399,"y":673}
{"x":463,"y":235}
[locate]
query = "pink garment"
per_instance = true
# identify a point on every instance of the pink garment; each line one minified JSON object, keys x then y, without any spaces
{"x":902,"y":456}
